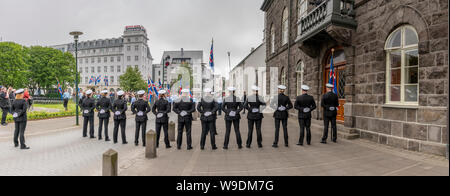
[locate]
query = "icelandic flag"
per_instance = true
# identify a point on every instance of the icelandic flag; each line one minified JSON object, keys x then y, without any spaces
{"x":98,"y":80}
{"x":150,"y":92}
{"x":211,"y":56}
{"x":91,"y":80}
{"x":168,"y":89}
{"x":190,"y":94}
{"x":160,"y":85}
{"x":59,"y":89}
{"x":332,"y":79}
{"x":106,"y":81}
{"x":154,"y":88}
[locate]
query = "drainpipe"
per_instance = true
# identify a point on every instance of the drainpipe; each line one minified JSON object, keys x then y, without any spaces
{"x":289,"y":48}
{"x":448,"y":80}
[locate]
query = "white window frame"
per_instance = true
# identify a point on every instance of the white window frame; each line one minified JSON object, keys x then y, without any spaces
{"x":300,"y":76}
{"x":272,"y":39}
{"x":285,"y":27}
{"x":402,"y":49}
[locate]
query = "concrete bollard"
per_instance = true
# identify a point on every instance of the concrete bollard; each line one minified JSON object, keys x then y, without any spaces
{"x":150,"y":147}
{"x":110,"y":163}
{"x":171,"y":131}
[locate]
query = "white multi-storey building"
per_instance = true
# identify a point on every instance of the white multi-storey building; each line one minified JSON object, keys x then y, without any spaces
{"x":109,"y":58}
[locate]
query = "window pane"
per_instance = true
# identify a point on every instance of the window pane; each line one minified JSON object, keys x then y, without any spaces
{"x":396,"y":76}
{"x":412,"y":75}
{"x":411,"y":93}
{"x":412,"y":58}
{"x":395,"y":40}
{"x":410,"y":37}
{"x":396,"y":59}
{"x":395,"y":93}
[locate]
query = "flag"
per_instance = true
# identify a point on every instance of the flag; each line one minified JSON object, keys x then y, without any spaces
{"x":91,"y":80}
{"x":98,"y":80}
{"x":154,"y":88}
{"x":106,"y":81}
{"x":332,"y":79}
{"x":211,"y":56}
{"x":160,"y":85}
{"x":168,"y":89}
{"x":190,"y":94}
{"x":150,"y":92}
{"x":181,"y":86}
{"x":59,"y":88}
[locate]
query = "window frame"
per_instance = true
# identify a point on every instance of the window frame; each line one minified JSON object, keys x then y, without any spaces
{"x":300,"y":73}
{"x":285,"y":27}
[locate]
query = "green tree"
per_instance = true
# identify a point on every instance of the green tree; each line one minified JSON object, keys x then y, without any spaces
{"x":13,"y":65}
{"x":132,"y":80}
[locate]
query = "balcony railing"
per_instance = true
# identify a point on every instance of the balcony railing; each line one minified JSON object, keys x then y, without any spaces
{"x":328,"y":13}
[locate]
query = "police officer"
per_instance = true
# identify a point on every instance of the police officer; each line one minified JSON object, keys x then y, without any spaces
{"x":254,"y":105}
{"x":232,"y":108}
{"x":161,"y":109}
{"x":103,"y":107}
{"x":4,"y":104}
{"x":305,"y":104}
{"x":281,"y":104}
{"x":208,"y":108}
{"x":19,"y":110}
{"x":120,"y":117}
{"x":330,"y":104}
{"x":87,"y":107}
{"x":140,"y":108}
{"x":184,"y":107}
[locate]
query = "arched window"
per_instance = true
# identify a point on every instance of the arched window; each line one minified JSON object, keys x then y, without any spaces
{"x":285,"y":27}
{"x":300,"y":73}
{"x":272,"y":39}
{"x":283,"y":76}
{"x":302,"y":9}
{"x":402,"y":60}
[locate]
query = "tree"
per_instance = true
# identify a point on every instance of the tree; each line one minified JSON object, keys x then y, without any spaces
{"x":13,"y":65}
{"x":132,"y":80}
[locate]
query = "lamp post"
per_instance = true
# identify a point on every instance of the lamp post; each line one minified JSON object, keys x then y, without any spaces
{"x":166,"y":63}
{"x":76,"y":35}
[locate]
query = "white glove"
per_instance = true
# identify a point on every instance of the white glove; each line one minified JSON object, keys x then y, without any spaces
{"x":15,"y":115}
{"x":255,"y":110}
{"x":332,"y":108}
{"x":117,"y":113}
{"x":232,"y":114}
{"x":86,"y":111}
{"x":183,"y":113}
{"x":160,"y":115}
{"x":306,"y":110}
{"x":282,"y":108}
{"x":140,"y":113}
{"x":102,"y":111}
{"x":208,"y":114}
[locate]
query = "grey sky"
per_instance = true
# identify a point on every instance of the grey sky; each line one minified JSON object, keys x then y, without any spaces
{"x":236,"y":25}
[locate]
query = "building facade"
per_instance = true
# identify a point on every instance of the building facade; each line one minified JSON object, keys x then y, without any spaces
{"x":390,"y":60}
{"x":109,"y":58}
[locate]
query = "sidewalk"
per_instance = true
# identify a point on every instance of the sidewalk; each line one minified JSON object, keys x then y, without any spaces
{"x":355,"y":158}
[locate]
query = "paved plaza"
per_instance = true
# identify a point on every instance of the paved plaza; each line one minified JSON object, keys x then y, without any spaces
{"x":57,"y":148}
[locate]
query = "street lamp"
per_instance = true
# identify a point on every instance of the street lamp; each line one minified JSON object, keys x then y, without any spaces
{"x":76,"y":35}
{"x":166,"y":63}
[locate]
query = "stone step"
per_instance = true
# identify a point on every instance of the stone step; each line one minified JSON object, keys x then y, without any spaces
{"x":347,"y":136}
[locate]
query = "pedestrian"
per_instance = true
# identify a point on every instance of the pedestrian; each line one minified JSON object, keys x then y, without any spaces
{"x":244,"y":99}
{"x":255,"y":106}
{"x":133,"y":99}
{"x":66,"y":97}
{"x":232,"y":108}
{"x":112,"y":97}
{"x":281,"y":104}
{"x":28,"y":98}
{"x":184,"y":107}
{"x":330,"y":104}
{"x":12,"y":97}
{"x":140,"y":108}
{"x":220,"y":102}
{"x":87,"y":107}
{"x":4,"y":104}
{"x":120,"y":118}
{"x":103,"y":107}
{"x":19,"y":109}
{"x":305,"y":104}
{"x":208,"y":107}
{"x":161,"y":108}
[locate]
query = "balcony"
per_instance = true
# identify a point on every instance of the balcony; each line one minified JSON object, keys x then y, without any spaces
{"x":333,"y":19}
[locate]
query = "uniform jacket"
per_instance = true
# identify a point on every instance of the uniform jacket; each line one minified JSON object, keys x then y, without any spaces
{"x":104,"y":104}
{"x":302,"y":102}
{"x":20,"y":107}
{"x":184,"y":104}
{"x":278,"y":101}
{"x":330,"y":100}
{"x":162,"y":106}
{"x":255,"y":102}
{"x":141,"y":106}
{"x":120,"y":105}
{"x":208,"y":104}
{"x":89,"y":105}
{"x":232,"y":103}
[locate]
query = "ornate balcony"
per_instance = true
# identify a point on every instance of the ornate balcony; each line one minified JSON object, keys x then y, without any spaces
{"x":333,"y":19}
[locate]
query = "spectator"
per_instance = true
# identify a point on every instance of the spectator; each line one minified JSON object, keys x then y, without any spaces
{"x":66,"y":97}
{"x":4,"y":104}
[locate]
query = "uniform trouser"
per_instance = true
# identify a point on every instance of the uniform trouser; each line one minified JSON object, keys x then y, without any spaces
{"x":208,"y":126}
{"x":66,"y":101}
{"x":326,"y":121}
{"x":122,"y":124}
{"x":88,"y":120}
{"x":140,"y":125}
{"x":165,"y":126}
{"x":188,"y":126}
{"x":251,"y":124}
{"x":228,"y":131}
{"x":277,"y":130}
{"x":19,"y":132}
{"x":103,"y":122}
{"x":5,"y":113}
{"x":305,"y":123}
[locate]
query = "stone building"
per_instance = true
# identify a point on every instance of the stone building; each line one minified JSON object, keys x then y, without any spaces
{"x":391,"y":60}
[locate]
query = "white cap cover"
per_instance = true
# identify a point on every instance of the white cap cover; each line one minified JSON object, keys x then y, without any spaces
{"x":282,"y":87}
{"x":88,"y":92}
{"x":104,"y":92}
{"x":231,"y":88}
{"x":20,"y":91}
{"x":162,"y":92}
{"x":141,"y":92}
{"x":330,"y":86}
{"x":120,"y":93}
{"x":305,"y":87}
{"x":255,"y":88}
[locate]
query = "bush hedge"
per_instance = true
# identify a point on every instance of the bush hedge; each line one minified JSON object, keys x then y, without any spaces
{"x":43,"y":115}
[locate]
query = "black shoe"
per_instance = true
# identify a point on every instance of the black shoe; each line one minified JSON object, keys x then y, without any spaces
{"x":92,"y":137}
{"x":202,"y":148}
{"x":189,"y":148}
{"x":260,"y":146}
{"x":248,"y":146}
{"x":107,"y":140}
{"x":4,"y":124}
{"x":286,"y":145}
{"x":225,"y":148}
{"x":136,"y":144}
{"x":16,"y":145}
{"x":299,"y":144}
{"x":24,"y":148}
{"x":84,"y":135}
{"x":124,"y":142}
{"x":335,"y":141}
{"x":309,"y":143}
{"x":100,"y":138}
{"x":240,"y":147}
{"x":167,"y":147}
{"x":275,"y":146}
{"x":115,"y":142}
{"x":143,"y":145}
{"x":179,"y":148}
{"x":214,"y":148}
{"x":323,"y":142}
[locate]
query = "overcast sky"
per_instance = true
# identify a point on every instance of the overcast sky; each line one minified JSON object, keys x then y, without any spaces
{"x":236,"y":25}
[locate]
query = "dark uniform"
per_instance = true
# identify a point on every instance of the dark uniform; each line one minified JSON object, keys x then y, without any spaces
{"x":232,"y":104}
{"x":305,"y":104}
{"x":104,"y":107}
{"x":208,"y":108}
{"x":87,"y":108}
{"x":254,"y":106}
{"x":19,"y":109}
{"x":187,"y":105}
{"x":161,"y":109}
{"x":141,"y":109}
{"x":281,"y":104}
{"x":120,"y":107}
{"x":330,"y":104}
{"x":5,"y":106}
